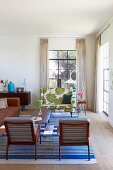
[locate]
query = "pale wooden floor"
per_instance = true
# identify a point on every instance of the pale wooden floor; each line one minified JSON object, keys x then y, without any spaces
{"x":102,"y":143}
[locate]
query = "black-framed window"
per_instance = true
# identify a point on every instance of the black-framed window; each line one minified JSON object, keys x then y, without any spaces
{"x":61,"y":64}
{"x":105,"y":77}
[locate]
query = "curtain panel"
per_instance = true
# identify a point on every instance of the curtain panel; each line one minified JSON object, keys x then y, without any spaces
{"x":97,"y":75}
{"x":81,"y":65}
{"x":44,"y":63}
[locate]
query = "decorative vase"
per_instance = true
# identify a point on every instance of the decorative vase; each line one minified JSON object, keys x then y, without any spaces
{"x":81,"y":98}
{"x":10,"y":87}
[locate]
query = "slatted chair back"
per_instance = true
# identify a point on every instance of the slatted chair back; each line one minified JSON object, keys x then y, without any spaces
{"x":21,"y":131}
{"x":74,"y":133}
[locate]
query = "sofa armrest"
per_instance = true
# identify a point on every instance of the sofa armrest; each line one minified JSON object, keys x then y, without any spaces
{"x":13,"y":102}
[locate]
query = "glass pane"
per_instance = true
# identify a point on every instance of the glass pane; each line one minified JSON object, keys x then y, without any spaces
{"x":107,"y":108}
{"x":106,"y":77}
{"x":53,"y":83}
{"x":73,"y":74}
{"x":107,"y":51}
{"x":62,"y":54}
{"x":52,"y":54}
{"x":106,"y":62}
{"x":104,"y":107}
{"x":72,"y":64}
{"x":53,"y":74}
{"x":106,"y":86}
{"x":72,"y":54}
{"x":63,"y":84}
{"x":64,"y":74}
{"x":106,"y":97}
{"x":63,"y":64}
{"x":106,"y":74}
{"x":53,"y":64}
{"x":104,"y":52}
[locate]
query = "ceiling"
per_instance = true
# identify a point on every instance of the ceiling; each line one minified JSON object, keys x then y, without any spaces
{"x":54,"y":18}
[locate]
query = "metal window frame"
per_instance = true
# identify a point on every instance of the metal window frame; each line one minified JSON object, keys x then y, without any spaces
{"x":61,"y":59}
{"x":104,"y":80}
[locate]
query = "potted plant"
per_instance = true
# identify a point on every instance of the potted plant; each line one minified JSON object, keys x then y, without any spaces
{"x":37,"y":105}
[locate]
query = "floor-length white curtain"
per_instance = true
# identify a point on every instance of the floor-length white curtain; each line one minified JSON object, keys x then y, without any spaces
{"x":44,"y":63}
{"x":98,"y":77}
{"x":81,"y":65}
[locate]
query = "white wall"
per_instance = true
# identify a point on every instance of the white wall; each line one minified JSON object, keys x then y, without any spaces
{"x":19,"y":59}
{"x":62,"y":43}
{"x":107,"y":37}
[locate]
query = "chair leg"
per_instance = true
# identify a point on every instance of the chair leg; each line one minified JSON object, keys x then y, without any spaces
{"x":78,"y":110}
{"x":40,"y":138}
{"x":59,"y":152}
{"x":85,"y":110}
{"x":7,"y":147}
{"x":36,"y":151}
{"x":71,"y":114}
{"x":88,"y":153}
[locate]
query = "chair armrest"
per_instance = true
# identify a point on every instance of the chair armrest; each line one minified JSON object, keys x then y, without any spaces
{"x":38,"y":131}
{"x":58,"y":131}
{"x":13,"y":102}
{"x":24,"y":115}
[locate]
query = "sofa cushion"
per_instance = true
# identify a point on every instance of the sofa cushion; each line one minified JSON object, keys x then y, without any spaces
{"x":3,"y":103}
{"x":66,"y":99}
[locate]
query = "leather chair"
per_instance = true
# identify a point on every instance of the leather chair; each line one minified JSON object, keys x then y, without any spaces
{"x":21,"y":131}
{"x":74,"y":133}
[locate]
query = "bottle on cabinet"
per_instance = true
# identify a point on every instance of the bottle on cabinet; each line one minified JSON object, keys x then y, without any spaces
{"x":10,"y":87}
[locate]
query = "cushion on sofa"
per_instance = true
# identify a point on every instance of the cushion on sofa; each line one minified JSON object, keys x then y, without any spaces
{"x":13,"y":109}
{"x":66,"y":99}
{"x":3,"y":103}
{"x":9,"y":111}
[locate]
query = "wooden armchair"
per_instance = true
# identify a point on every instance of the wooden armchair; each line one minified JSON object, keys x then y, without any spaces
{"x":21,"y":131}
{"x":74,"y":133}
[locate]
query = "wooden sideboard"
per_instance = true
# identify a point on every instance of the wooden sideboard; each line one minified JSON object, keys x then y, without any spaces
{"x":25,"y":97}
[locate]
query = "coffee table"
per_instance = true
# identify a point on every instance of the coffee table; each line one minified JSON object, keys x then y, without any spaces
{"x":45,"y":116}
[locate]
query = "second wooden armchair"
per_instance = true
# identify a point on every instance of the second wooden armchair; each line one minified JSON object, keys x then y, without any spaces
{"x":74,"y":133}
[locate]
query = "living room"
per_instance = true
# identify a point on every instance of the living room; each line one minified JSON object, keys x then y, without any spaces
{"x":20,"y":59}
